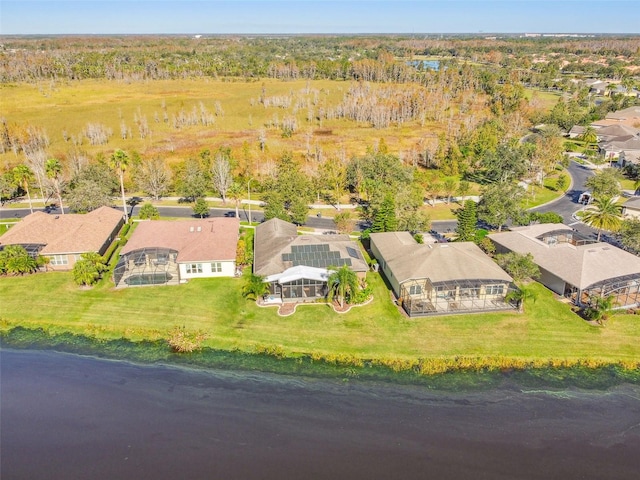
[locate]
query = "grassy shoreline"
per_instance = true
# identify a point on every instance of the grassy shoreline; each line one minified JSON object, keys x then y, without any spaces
{"x":374,"y":342}
{"x":457,"y":374}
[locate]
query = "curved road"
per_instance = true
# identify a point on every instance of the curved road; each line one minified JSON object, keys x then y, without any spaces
{"x":568,"y":204}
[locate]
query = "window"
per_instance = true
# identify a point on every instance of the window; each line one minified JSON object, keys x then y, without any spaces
{"x":59,"y":260}
{"x":216,"y":267}
{"x":194,"y":268}
{"x":415,"y":289}
{"x":494,"y":289}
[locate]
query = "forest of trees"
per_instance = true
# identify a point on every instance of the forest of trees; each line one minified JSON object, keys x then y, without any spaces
{"x":471,"y":117}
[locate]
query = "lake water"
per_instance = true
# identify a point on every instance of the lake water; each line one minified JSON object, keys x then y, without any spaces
{"x":71,"y":417}
{"x":426,"y":64}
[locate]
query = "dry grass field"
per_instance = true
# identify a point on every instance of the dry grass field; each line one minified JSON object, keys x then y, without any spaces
{"x":64,"y":109}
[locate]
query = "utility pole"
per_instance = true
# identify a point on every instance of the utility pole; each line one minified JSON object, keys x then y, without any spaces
{"x":249,"y":193}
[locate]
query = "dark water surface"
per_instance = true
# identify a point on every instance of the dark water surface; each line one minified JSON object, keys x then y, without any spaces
{"x":71,"y":417}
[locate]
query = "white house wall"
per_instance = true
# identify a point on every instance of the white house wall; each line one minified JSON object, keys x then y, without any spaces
{"x":228,"y":270}
{"x":552,"y":282}
{"x":395,"y":285}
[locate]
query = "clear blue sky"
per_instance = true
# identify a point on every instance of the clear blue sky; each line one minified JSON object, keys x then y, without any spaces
{"x":317,"y":16}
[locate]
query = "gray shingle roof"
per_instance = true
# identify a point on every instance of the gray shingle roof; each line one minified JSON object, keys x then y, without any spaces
{"x":277,"y":247}
{"x":578,"y":265}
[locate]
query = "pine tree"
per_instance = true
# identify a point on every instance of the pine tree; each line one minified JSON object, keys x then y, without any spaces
{"x":467,"y":219}
{"x":384,"y":218}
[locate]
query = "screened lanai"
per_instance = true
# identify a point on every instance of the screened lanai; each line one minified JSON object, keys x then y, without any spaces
{"x":147,"y":266}
{"x":624,"y":289}
{"x":33,"y":249}
{"x":297,"y":284}
{"x":422,"y":297}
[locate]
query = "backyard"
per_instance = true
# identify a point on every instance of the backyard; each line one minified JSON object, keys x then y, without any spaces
{"x":547,"y":330}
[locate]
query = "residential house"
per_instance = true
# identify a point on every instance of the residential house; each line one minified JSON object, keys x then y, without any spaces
{"x":440,"y":278}
{"x":297,"y":267}
{"x":574,"y":266}
{"x":64,"y":238}
{"x":597,"y":87}
{"x":628,"y":116}
{"x":170,"y":252}
{"x":617,"y":138}
{"x":612,"y":149}
{"x":631,"y":208}
{"x":576,"y":131}
{"x":612,"y":132}
{"x":629,"y":157}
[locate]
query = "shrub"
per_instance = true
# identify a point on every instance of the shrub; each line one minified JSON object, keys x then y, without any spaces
{"x":149,"y":211}
{"x":182,"y":341}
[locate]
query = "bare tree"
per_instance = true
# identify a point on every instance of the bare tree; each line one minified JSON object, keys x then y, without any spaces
{"x":153,"y":177}
{"x":262,"y":139}
{"x":97,"y":133}
{"x":36,"y":161}
{"x":221,"y":174}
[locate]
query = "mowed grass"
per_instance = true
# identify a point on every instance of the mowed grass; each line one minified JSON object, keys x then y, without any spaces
{"x":547,"y":330}
{"x":64,"y":106}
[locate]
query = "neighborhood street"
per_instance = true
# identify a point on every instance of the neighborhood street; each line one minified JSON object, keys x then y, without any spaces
{"x":568,"y":204}
{"x":565,"y":206}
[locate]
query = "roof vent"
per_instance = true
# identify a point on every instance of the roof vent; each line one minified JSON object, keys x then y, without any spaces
{"x":199,"y":229}
{"x":191,"y":229}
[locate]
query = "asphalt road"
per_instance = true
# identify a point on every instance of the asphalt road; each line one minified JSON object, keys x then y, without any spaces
{"x":568,"y":204}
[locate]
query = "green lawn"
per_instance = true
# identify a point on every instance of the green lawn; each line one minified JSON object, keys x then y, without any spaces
{"x":547,"y":330}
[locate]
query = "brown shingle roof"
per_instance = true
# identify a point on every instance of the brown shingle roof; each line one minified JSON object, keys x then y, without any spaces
{"x":202,"y":240}
{"x":580,"y":266}
{"x":70,"y":233}
{"x":440,"y":262}
{"x":275,"y":237}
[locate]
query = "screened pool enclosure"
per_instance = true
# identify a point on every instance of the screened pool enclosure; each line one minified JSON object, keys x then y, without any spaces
{"x":147,"y":266}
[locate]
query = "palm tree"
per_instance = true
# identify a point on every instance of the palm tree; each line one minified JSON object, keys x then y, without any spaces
{"x":53,"y":168}
{"x":23,"y":175}
{"x":603,"y":214}
{"x":254,"y":287}
{"x":15,"y":260}
{"x":589,"y":136}
{"x":342,"y":282}
{"x":119,"y":162}
{"x":95,"y":259}
{"x":523,"y":294}
{"x":600,"y":308}
{"x":235,"y":192}
{"x":85,"y":272}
